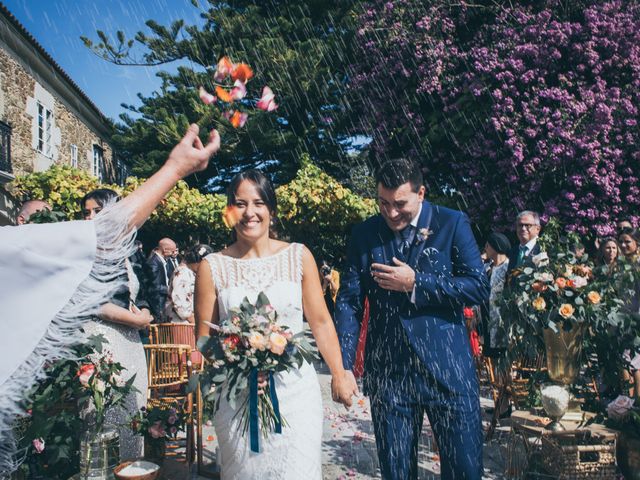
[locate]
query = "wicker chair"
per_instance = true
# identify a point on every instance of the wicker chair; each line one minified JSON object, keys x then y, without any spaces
{"x":168,"y":373}
{"x":177,"y":334}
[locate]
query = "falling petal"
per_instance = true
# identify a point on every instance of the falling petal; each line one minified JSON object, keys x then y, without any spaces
{"x":239,"y":90}
{"x":224,"y":95}
{"x":267,"y":101}
{"x":238,"y":119}
{"x":230,"y":216}
{"x":206,"y":97}
{"x":223,"y":69}
{"x":242,"y":72}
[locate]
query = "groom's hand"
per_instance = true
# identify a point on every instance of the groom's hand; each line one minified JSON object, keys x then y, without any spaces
{"x":399,"y":277}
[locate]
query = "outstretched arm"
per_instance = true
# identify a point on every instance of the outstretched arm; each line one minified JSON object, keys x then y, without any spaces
{"x":343,"y":384}
{"x":187,"y":157}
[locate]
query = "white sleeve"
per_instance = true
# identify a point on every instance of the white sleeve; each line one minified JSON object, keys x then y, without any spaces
{"x":53,"y":278}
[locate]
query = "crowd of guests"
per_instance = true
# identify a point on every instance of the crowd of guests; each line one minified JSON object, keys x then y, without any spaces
{"x":501,"y":257}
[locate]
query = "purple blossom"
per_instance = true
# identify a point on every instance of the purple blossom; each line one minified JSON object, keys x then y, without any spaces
{"x":536,"y":105}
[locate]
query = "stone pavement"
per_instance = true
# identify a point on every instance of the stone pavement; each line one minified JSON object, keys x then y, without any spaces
{"x":348,"y":447}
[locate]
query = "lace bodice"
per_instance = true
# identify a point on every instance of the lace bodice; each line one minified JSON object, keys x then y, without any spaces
{"x":279,"y":276}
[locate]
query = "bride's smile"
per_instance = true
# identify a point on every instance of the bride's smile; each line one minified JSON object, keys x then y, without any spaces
{"x":253,"y":212}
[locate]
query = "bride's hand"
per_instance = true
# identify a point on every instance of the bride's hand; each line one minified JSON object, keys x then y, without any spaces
{"x":343,"y":387}
{"x":262,"y":382}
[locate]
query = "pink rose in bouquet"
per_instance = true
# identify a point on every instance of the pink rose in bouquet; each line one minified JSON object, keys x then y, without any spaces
{"x":38,"y":445}
{"x":156,"y":430}
{"x":85,"y":373}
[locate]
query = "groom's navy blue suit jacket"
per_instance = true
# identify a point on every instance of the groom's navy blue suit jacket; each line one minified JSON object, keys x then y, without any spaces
{"x":449,"y":275}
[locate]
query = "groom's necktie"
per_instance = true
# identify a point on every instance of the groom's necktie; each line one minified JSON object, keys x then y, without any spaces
{"x":521,"y":253}
{"x":405,"y":242}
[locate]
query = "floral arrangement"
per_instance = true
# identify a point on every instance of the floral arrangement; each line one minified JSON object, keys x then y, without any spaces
{"x":248,"y":341}
{"x":157,"y":424}
{"x":623,"y":414}
{"x":557,"y":289}
{"x":84,"y":386}
{"x":231,"y":96}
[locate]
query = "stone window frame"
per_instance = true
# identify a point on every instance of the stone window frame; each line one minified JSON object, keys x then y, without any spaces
{"x":74,"y":155}
{"x":44,"y":130}
{"x":98,"y":162}
{"x":5,"y":147}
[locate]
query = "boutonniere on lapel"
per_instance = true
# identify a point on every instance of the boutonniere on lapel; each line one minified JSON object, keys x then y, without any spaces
{"x":424,"y":234}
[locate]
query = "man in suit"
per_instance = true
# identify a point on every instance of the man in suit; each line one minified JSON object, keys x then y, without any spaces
{"x":418,"y":264}
{"x":527,"y":230}
{"x":158,"y":277}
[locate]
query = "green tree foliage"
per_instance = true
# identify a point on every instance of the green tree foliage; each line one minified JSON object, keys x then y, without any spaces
{"x":300,"y":49}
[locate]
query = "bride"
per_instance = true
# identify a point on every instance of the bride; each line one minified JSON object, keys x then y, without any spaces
{"x":287,"y":274}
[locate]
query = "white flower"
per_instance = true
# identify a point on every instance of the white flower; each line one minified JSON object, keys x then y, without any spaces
{"x":579,"y":282}
{"x":555,"y":399}
{"x":544,"y":277}
{"x":541,"y":259}
{"x":619,"y":408}
{"x":117,"y":380}
{"x":423,"y":234}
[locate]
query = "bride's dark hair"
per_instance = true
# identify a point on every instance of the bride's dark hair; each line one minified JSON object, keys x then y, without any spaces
{"x":265,"y":190}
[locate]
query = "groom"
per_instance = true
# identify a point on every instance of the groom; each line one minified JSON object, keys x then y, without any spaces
{"x":418,"y":264}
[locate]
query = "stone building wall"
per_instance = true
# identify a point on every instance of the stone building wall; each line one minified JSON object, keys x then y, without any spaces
{"x":19,"y":92}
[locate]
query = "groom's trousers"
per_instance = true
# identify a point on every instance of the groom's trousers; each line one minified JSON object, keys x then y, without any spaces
{"x":398,"y":403}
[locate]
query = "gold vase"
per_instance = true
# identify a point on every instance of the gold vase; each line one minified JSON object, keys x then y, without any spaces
{"x":563,"y":350}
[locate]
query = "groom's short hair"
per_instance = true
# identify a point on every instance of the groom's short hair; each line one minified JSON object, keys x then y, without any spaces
{"x":398,"y":171}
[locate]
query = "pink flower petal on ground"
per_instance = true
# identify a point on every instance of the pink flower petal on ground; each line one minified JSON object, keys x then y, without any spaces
{"x":351,"y":473}
{"x":206,"y":97}
{"x":239,"y":90}
{"x":267,"y":101}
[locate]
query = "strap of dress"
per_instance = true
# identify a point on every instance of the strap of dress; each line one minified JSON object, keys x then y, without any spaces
{"x":295,"y":261}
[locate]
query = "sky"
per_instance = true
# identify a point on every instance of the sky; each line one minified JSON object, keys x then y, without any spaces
{"x":58,"y":25}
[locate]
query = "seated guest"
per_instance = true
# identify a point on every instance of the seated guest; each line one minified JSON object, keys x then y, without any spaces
{"x":179,"y":307}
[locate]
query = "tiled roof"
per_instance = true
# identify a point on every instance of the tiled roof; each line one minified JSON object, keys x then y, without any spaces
{"x":31,"y":39}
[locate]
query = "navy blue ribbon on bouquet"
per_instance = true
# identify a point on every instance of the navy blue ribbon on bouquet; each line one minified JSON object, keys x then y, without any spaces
{"x":254,"y":428}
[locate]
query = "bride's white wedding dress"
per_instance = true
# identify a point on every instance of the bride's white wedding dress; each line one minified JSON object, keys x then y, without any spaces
{"x":296,"y":452}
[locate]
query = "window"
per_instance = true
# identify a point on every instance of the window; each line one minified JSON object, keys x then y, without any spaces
{"x":5,"y":148}
{"x":98,"y":155}
{"x":123,"y":171}
{"x":74,"y":156}
{"x":45,"y":126}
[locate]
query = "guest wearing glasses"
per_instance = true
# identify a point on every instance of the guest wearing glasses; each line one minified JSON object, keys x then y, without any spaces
{"x":527,"y":230}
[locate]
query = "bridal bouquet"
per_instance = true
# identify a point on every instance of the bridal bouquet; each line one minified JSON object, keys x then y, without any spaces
{"x":248,"y":341}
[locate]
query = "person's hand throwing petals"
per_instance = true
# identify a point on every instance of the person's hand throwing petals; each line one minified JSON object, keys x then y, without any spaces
{"x":190,"y":155}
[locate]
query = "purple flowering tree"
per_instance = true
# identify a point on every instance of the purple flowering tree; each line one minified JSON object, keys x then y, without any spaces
{"x":532,"y":106}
